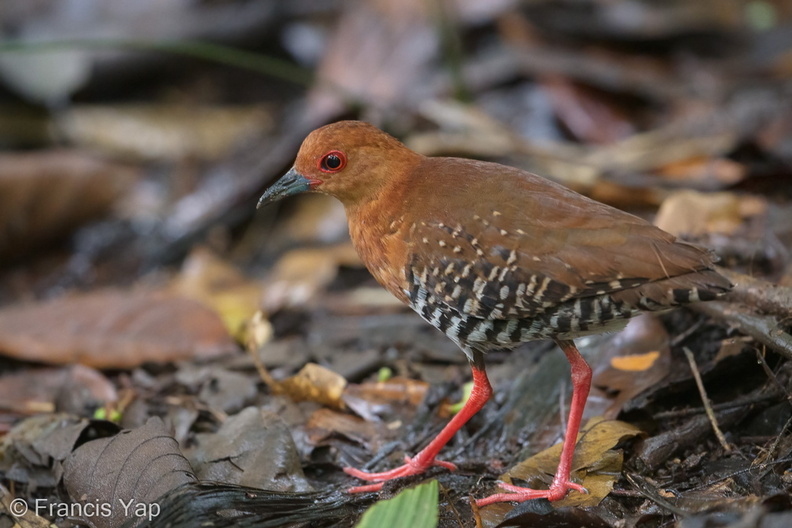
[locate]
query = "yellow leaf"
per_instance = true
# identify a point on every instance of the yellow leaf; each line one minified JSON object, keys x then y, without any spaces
{"x":596,"y":466}
{"x":219,"y":285}
{"x":314,"y":383}
{"x":635,"y":362}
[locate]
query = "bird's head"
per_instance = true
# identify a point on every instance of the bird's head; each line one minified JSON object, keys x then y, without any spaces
{"x":350,"y":160}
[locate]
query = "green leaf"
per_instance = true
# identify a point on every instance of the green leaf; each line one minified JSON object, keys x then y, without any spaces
{"x":412,"y":508}
{"x":467,"y":390}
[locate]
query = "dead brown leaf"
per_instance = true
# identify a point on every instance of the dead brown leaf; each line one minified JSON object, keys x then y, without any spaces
{"x":327,"y":423}
{"x":252,"y":448}
{"x":596,"y":464}
{"x":112,"y":329}
{"x":46,"y":194}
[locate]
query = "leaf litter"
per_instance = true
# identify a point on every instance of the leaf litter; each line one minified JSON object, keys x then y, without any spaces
{"x":636,"y":104}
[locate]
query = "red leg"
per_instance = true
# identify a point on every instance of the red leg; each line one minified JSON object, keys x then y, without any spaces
{"x":581,"y":384}
{"x":426,"y":458}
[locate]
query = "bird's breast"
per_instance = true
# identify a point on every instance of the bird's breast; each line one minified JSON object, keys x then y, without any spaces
{"x":383,"y":249}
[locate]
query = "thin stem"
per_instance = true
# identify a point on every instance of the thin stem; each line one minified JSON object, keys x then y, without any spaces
{"x":218,"y":53}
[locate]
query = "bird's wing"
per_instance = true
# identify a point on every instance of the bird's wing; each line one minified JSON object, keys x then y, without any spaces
{"x":522,"y":245}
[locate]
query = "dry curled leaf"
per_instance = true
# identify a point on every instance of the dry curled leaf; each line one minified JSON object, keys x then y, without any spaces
{"x":314,"y":383}
{"x":694,"y":213}
{"x":112,"y":329}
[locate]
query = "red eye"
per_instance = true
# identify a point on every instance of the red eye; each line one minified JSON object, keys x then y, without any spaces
{"x":333,"y":161}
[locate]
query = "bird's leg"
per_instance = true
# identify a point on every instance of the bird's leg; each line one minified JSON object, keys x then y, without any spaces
{"x":426,"y":458}
{"x":581,"y":384}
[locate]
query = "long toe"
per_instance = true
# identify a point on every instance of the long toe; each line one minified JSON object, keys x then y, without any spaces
{"x":518,"y":494}
{"x":410,"y":467}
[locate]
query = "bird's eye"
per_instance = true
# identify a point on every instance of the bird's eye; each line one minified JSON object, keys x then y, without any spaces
{"x":333,"y":161}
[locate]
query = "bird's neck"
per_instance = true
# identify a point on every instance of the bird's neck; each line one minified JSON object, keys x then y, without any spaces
{"x":378,"y":232}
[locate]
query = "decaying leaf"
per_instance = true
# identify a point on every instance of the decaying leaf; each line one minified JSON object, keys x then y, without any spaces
{"x":112,"y":329}
{"x":588,"y":114}
{"x":540,"y":514}
{"x":253,"y":448}
{"x":596,"y":465}
{"x":32,"y":452}
{"x":325,"y":424}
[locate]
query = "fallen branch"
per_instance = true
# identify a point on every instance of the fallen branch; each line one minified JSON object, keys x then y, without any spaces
{"x":763,"y":328}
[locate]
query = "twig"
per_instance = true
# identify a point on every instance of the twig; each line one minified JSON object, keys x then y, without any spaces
{"x":209,"y":51}
{"x":725,"y":406}
{"x":652,"y":493}
{"x":781,"y":435}
{"x":765,"y":297}
{"x":705,"y":400}
{"x":770,"y":374}
{"x":763,"y":328}
{"x":687,"y":333}
{"x":728,"y":476}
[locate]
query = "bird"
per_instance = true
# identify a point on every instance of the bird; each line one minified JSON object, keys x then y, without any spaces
{"x":494,"y":256}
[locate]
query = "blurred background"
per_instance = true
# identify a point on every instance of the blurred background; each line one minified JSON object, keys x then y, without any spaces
{"x":136,"y":138}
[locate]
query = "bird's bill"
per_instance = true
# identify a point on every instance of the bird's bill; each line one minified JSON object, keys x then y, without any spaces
{"x":289,"y":184}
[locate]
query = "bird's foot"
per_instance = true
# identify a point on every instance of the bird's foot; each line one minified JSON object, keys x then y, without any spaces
{"x":557,"y":491}
{"x":412,"y":466}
